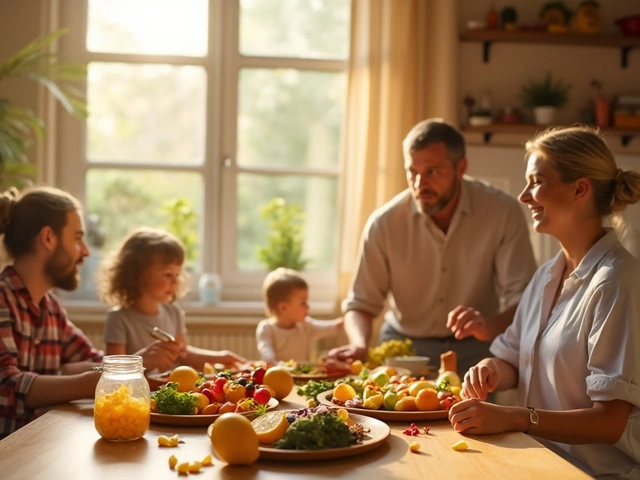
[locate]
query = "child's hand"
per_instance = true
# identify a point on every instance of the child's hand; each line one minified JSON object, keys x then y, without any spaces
{"x":160,"y":355}
{"x":183,"y":349}
{"x":229,"y":358}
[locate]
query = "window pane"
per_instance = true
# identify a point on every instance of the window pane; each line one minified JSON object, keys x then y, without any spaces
{"x":317,"y":197}
{"x":295,"y":28}
{"x":146,"y":113}
{"x":165,"y":27}
{"x":289,"y":117}
{"x":123,"y":200}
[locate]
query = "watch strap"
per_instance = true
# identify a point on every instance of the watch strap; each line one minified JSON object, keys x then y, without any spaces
{"x":534,"y":418}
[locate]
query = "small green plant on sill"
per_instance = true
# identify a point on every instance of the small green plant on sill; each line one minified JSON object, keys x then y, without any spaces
{"x":286,"y":236}
{"x":183,"y":223}
{"x":545,"y":93}
{"x":34,"y":62}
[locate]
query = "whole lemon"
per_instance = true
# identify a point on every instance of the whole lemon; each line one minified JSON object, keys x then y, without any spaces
{"x":186,"y":378}
{"x":279,"y":380}
{"x":234,"y":440}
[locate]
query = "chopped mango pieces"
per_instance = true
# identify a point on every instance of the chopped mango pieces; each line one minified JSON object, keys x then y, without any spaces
{"x":414,"y":447}
{"x":165,"y":441}
{"x":119,"y":416}
{"x":183,"y":468}
{"x":460,"y":446}
{"x":173,"y":461}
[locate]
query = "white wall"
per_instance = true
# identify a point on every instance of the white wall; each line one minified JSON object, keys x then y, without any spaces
{"x":512,"y":65}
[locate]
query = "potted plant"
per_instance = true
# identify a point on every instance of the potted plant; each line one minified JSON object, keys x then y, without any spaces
{"x":182,"y":221}
{"x":17,"y":124}
{"x":286,"y":236}
{"x":545,"y":97}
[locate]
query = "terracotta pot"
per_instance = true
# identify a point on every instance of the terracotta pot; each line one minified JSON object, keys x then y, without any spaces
{"x":603,"y":112}
{"x":629,"y":25}
{"x":544,"y":115}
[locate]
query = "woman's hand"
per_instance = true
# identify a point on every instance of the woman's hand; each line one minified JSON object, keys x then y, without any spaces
{"x":474,"y":417}
{"x":481,"y":380}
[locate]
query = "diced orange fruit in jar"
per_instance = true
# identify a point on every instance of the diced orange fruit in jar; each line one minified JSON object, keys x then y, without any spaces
{"x":120,"y":417}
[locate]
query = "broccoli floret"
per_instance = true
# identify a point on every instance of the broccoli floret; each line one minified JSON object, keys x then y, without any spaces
{"x":317,"y":432}
{"x":170,"y":401}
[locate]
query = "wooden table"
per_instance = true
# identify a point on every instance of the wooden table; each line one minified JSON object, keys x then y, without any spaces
{"x":63,"y":444}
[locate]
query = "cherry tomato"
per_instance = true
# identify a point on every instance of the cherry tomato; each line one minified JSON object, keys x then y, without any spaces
{"x":262,"y":396}
{"x":209,"y":394}
{"x":258,"y":375}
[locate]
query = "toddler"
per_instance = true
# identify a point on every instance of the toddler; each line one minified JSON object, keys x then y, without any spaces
{"x":288,"y":332}
{"x":142,"y":279}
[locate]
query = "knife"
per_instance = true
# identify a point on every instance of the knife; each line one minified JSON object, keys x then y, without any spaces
{"x":162,"y":335}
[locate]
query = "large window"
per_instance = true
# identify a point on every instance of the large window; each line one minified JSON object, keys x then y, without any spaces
{"x":210,"y":108}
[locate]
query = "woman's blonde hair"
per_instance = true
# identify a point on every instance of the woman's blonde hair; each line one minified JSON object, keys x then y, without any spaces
{"x":580,"y":152}
{"x":120,"y":275}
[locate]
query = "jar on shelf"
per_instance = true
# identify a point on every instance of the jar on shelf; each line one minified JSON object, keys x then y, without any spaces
{"x":122,"y":402}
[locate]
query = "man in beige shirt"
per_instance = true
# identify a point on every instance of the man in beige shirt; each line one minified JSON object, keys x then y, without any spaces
{"x":448,"y":252}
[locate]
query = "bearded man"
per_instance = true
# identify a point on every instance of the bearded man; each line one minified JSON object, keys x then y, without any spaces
{"x":45,"y":359}
{"x":450,"y":253}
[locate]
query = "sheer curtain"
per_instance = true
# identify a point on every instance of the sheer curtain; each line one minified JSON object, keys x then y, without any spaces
{"x":403,"y":68}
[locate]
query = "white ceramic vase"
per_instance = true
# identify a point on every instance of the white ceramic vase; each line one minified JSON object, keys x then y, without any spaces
{"x":210,"y":288}
{"x":544,"y":115}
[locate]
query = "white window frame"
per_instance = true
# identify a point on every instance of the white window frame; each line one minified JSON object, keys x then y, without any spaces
{"x":222,"y":65}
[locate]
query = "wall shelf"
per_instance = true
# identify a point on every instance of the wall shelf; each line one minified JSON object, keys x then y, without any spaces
{"x":488,"y":37}
{"x":625,"y":134}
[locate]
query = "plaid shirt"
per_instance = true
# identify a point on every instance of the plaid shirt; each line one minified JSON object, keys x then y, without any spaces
{"x":33,"y":341}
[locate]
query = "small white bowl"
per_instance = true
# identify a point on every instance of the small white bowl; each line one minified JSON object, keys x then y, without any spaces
{"x":419,"y":366}
{"x":480,"y":120}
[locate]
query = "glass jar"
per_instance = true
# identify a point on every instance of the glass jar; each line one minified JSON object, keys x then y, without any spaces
{"x":122,"y":403}
{"x":210,"y":288}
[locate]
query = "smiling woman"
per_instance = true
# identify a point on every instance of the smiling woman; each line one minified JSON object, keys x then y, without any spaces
{"x":574,"y":340}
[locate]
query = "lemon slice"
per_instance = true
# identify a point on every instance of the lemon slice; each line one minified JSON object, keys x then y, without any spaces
{"x":271,"y":426}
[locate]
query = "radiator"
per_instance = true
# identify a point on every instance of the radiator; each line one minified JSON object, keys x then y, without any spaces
{"x":240,"y":339}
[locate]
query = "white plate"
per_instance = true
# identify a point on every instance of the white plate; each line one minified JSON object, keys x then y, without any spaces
{"x":378,"y":433}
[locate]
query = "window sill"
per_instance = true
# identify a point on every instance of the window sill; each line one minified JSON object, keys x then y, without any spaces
{"x":238,"y":313}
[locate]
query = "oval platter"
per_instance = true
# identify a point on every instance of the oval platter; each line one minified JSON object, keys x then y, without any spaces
{"x":387,"y":415}
{"x":199,"y":420}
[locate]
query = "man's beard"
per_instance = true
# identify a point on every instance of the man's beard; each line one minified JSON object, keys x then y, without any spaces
{"x":442,"y":202}
{"x":62,"y":271}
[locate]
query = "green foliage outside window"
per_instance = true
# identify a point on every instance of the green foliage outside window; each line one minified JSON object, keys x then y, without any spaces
{"x":286,"y":236}
{"x":183,"y":223}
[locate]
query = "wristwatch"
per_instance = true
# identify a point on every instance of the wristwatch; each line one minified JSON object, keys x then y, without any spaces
{"x":533,"y":418}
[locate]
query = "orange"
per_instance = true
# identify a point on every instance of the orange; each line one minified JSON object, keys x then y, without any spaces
{"x":227,"y":407}
{"x":234,"y":440}
{"x":235,"y":392}
{"x":280,"y":381}
{"x":356,"y":367}
{"x":427,"y":399}
{"x":185,"y":377}
{"x":271,"y":426}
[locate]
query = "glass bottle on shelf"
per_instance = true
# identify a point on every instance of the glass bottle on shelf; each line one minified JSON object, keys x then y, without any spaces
{"x":122,"y":402}
{"x":210,"y":288}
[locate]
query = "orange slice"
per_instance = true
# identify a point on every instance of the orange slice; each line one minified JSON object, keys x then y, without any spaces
{"x":271,"y":426}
